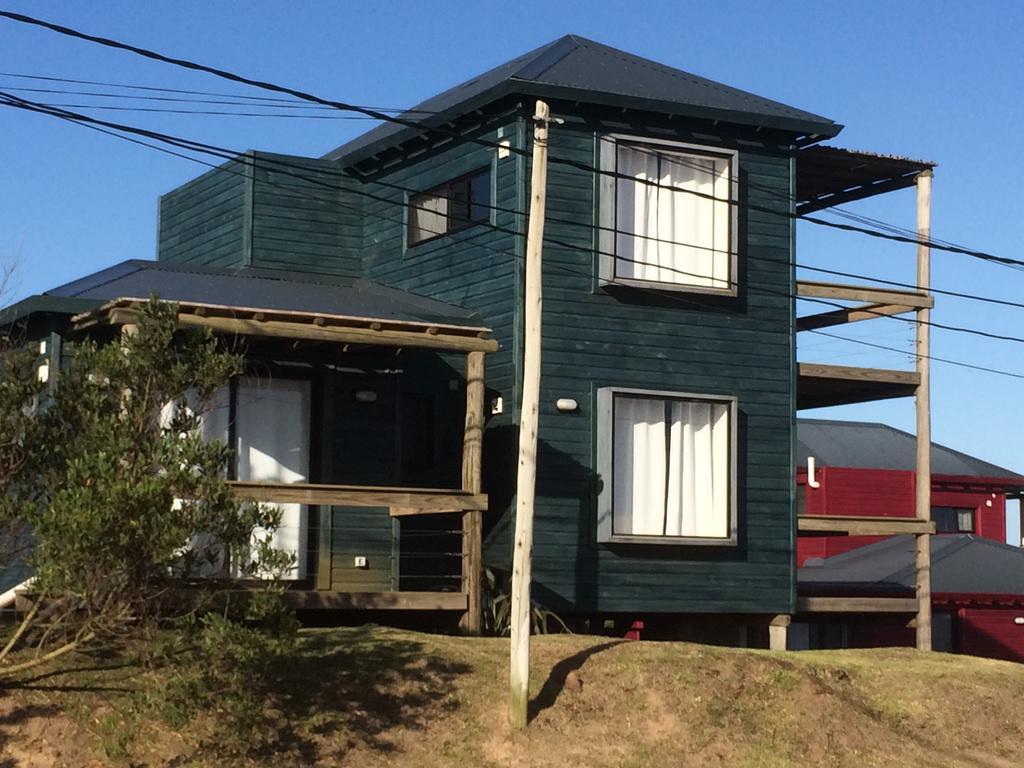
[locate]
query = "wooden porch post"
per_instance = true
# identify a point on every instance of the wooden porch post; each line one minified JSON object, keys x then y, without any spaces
{"x":472,"y":453}
{"x":923,"y":506}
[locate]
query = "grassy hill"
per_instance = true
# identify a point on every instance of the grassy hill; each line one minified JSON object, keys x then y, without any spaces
{"x":379,"y":697}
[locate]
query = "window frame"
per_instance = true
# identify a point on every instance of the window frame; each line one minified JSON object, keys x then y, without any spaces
{"x":445,"y":190}
{"x":956,"y":513}
{"x":604,"y":426}
{"x":607,"y":211}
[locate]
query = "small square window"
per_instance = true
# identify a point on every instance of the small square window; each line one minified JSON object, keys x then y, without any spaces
{"x":452,"y":206}
{"x":667,"y":464}
{"x":953,"y":519}
{"x":668,"y":215}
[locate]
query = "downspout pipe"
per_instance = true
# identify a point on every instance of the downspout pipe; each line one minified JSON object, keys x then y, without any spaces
{"x":811,"y":481}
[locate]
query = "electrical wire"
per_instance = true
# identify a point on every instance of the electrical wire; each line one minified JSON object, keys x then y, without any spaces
{"x":690,"y":302}
{"x":231,"y":155}
{"x":554,"y":219}
{"x":420,"y":128}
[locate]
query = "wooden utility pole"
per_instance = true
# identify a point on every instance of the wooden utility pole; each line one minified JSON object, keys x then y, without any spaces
{"x":923,"y":505}
{"x":519,"y":675}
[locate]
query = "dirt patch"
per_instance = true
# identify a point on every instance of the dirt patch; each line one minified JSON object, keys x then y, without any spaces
{"x":378,"y":697}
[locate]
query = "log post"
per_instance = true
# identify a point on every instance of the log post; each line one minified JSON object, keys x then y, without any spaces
{"x":472,"y":520}
{"x":923,"y":501}
{"x":526,"y":476}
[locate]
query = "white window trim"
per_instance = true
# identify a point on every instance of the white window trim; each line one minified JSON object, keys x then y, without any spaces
{"x":605,"y":442}
{"x":606,"y":213}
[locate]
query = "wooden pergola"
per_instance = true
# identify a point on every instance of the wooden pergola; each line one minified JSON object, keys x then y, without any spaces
{"x":828,"y":176}
{"x":469,"y":500}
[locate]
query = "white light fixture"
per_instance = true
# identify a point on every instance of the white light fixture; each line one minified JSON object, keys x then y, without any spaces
{"x":567,"y":405}
{"x":1018,"y":620}
{"x":366,"y":396}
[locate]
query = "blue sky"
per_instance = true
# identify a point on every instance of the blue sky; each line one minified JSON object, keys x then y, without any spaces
{"x":922,"y":79}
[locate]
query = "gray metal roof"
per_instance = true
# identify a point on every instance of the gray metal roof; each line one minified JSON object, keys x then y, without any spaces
{"x":575,"y":68}
{"x":960,"y":563}
{"x":260,"y":289}
{"x":878,"y":446}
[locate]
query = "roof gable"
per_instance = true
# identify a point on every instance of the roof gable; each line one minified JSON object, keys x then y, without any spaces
{"x":870,"y":445}
{"x":264,"y":289}
{"x":573,"y":67}
{"x":961,"y":563}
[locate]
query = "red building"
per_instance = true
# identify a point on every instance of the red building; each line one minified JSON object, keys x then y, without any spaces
{"x":867,"y":470}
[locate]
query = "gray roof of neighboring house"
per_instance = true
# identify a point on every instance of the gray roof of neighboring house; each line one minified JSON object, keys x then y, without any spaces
{"x":251,"y":288}
{"x":960,"y":563}
{"x":879,"y":446}
{"x":575,"y":68}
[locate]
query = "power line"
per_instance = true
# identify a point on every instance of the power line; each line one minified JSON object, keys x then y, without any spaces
{"x":555,"y":219}
{"x":231,"y":155}
{"x":929,"y":357}
{"x":233,"y":158}
{"x":420,"y":128}
{"x":228,"y":113}
{"x":290,"y":103}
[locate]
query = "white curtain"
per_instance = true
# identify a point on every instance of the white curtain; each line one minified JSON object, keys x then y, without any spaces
{"x":671,"y":468}
{"x":272,"y":445}
{"x":664,"y":217}
{"x":428,"y":217}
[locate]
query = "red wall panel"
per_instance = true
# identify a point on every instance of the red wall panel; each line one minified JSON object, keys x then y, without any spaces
{"x":991,"y":632}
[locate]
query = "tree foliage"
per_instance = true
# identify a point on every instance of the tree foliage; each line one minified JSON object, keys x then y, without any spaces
{"x":127,"y":503}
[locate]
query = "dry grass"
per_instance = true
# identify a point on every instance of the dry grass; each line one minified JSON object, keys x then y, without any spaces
{"x":378,"y":697}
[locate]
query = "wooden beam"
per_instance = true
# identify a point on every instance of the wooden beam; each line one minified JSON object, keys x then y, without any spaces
{"x":823,"y":385}
{"x":851,"y":373}
{"x":472,"y":521}
{"x":863,"y":526}
{"x":923,"y":478}
{"x":850,"y":315}
{"x":375,"y":601}
{"x":399,"y":511}
{"x":806,"y":604}
{"x":310,"y":331}
{"x":324,"y":554}
{"x":433,"y":499}
{"x":812,"y":289}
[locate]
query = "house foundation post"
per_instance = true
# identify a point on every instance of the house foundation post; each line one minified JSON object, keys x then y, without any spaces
{"x":923,"y":501}
{"x":472,"y":521}
{"x":778,"y":632}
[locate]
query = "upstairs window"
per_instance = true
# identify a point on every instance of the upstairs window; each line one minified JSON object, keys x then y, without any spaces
{"x":452,"y":206}
{"x":668,"y":215}
{"x":667,"y":465}
{"x":953,"y":519}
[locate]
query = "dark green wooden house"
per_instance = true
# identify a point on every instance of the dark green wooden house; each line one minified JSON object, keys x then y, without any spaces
{"x":372,"y":283}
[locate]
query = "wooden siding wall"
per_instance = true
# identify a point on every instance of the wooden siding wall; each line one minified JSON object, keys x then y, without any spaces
{"x":305,"y":216}
{"x":476,"y":268}
{"x":265,"y":210}
{"x":204,"y":221}
{"x":595,"y":337}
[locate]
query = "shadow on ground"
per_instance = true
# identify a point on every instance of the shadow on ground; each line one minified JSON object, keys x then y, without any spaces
{"x":556,"y":682}
{"x":12,"y":718}
{"x":339,"y":693}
